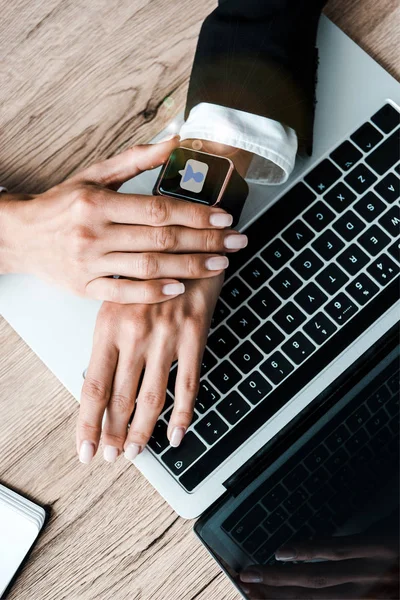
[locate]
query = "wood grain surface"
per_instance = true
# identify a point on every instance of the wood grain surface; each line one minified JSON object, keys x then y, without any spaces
{"x":80,"y":81}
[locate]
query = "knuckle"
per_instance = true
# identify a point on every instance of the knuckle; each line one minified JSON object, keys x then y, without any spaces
{"x":196,"y":214}
{"x":95,"y":390}
{"x":317,"y":581}
{"x":211,"y":239}
{"x":183,"y":416}
{"x":80,"y":240}
{"x":147,"y":266}
{"x":158,"y":210}
{"x":116,"y":291}
{"x":165,"y":239}
{"x":120,"y":403}
{"x":191,"y":383}
{"x":87,"y":429}
{"x":138,"y":437}
{"x":152,"y":399}
{"x":115,"y":437}
{"x":148,"y":294}
{"x":84,"y":204}
{"x":192,"y":266}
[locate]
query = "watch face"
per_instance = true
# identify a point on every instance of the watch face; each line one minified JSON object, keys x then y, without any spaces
{"x":192,"y":175}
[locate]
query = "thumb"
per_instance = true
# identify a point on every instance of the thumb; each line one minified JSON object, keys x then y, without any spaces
{"x":114,"y":171}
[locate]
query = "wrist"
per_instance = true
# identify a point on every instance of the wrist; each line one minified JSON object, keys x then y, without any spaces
{"x":10,"y":231}
{"x":240,"y":158}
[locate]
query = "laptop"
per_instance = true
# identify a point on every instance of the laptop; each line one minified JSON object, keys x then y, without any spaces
{"x":314,"y":290}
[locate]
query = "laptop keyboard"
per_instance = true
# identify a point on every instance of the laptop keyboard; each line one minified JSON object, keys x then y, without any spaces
{"x":322,"y":264}
{"x":329,"y":479}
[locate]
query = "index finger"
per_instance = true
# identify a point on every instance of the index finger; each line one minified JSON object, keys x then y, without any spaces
{"x":159,"y":211}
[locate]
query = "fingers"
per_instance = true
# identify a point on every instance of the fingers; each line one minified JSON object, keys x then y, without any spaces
{"x":124,"y":291}
{"x":186,"y":386}
{"x":158,"y":211}
{"x":317,"y":575}
{"x":150,"y":401}
{"x":122,"y":400}
{"x":174,"y":238}
{"x":130,"y":163}
{"x":337,"y":548}
{"x":95,"y":395}
{"x":155,"y":265}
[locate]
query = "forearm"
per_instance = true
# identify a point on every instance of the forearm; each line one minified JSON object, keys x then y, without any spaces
{"x":11,"y":232}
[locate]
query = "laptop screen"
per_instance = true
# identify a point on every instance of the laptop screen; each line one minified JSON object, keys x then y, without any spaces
{"x":330,"y":495}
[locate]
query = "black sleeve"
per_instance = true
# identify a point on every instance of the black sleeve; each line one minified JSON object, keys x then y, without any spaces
{"x":259,"y":56}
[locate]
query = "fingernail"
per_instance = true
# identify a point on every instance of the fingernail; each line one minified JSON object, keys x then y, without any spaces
{"x":221,"y":220}
{"x":216,"y":263}
{"x":132,"y":451}
{"x":178,"y":433}
{"x":110,"y":453}
{"x":169,"y":138}
{"x":251,"y":576}
{"x":172,"y":289}
{"x":86,"y":452}
{"x":236,"y":241}
{"x":286,"y":553}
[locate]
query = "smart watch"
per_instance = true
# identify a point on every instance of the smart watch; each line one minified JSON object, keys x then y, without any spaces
{"x":208,"y":179}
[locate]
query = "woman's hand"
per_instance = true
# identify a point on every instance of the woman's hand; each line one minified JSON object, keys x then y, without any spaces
{"x":358,"y":566}
{"x":129,"y":339}
{"x":81,"y":232}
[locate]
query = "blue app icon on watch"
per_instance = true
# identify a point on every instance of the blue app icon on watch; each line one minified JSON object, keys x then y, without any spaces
{"x":193,"y":175}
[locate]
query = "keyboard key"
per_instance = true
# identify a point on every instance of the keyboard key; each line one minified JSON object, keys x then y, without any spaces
{"x":383,"y":269}
{"x":264,"y":303}
{"x":285,"y":283}
{"x":254,"y":541}
{"x":340,"y":197}
{"x":356,"y":441}
{"x":248,"y":523}
{"x":277,"y":254}
{"x":222,"y":341}
{"x":295,"y":477}
{"x":349,"y":225}
{"x":337,"y":438}
{"x":319,"y":216}
{"x":276,"y":367}
{"x":268,"y":337}
{"x":307,"y":264}
{"x":389,"y":188}
{"x":337,"y":460}
{"x":328,"y":244}
{"x":370,"y":206}
{"x":394,"y":383}
{"x":207,"y":362}
{"x":346,"y":155}
{"x":220,"y":313}
{"x":301,"y":516}
{"x":316,"y":458}
{"x":323,"y":176}
{"x":387,"y":118}
{"x":225,"y":376}
{"x":295,"y":500}
{"x":331,"y":279}
{"x":353,"y":259}
{"x":234,"y":292}
{"x":374,"y":240}
{"x":341,"y":308}
{"x":179,"y":459}
{"x":275,"y":520}
{"x":159,"y":441}
{"x":256,"y":273}
{"x":207,"y":396}
{"x":319,"y":328}
{"x":211,"y":427}
{"x":298,"y":348}
{"x":376,"y":422}
{"x":394,"y":250}
{"x":318,"y":477}
{"x":254,"y":388}
{"x":233,"y":407}
{"x":246,"y":357}
{"x":272,"y":544}
{"x":386,"y":155}
{"x":362,"y":289}
{"x":311,"y":298}
{"x":243,"y":322}
{"x":358,"y":418}
{"x":289,"y":317}
{"x":274,"y":498}
{"x":378,"y":399}
{"x":360,"y":178}
{"x":391,"y":221}
{"x":298,"y":235}
{"x":366,"y":137}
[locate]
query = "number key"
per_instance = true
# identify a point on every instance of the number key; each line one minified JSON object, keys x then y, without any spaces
{"x":320,"y":328}
{"x":298,"y":348}
{"x":255,"y":387}
{"x":362,"y":289}
{"x":341,"y":308}
{"x":276,"y":367}
{"x":383,"y":269}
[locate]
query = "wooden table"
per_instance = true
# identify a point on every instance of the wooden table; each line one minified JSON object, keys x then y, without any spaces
{"x":80,"y":81}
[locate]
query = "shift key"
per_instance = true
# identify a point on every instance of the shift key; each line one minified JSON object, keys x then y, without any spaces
{"x":179,"y":459}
